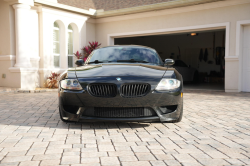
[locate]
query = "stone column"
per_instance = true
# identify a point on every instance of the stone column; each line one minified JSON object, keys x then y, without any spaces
{"x":22,"y":22}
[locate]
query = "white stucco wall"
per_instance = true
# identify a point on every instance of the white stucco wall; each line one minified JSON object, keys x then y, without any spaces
{"x":7,"y":46}
{"x":6,"y":29}
{"x":90,"y":27}
{"x":11,"y":79}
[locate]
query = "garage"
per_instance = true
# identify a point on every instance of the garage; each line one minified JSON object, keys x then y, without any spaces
{"x":199,"y":55}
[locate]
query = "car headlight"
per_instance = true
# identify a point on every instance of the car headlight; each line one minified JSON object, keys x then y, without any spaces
{"x":168,"y":84}
{"x":71,"y":84}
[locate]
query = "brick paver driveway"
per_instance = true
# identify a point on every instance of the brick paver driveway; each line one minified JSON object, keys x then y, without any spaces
{"x":215,"y":130}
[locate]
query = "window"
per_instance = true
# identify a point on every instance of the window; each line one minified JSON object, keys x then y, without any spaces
{"x":70,"y":46}
{"x":56,"y":45}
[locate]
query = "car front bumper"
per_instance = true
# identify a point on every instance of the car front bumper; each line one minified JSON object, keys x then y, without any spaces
{"x":81,"y":100}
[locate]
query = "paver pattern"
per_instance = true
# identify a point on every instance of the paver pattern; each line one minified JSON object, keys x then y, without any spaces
{"x":215,"y":130}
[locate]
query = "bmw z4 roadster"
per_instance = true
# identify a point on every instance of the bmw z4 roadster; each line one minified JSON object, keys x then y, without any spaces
{"x":121,"y":83}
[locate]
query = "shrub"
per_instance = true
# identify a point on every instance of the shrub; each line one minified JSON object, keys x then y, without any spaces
{"x":92,"y":46}
{"x":87,"y":50}
{"x":78,"y":55}
{"x":52,"y":80}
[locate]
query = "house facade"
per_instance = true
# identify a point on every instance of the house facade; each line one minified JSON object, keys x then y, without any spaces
{"x":40,"y":36}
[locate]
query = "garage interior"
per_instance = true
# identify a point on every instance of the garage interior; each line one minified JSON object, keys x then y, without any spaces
{"x":202,"y":52}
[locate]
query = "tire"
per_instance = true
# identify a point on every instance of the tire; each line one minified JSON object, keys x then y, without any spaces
{"x":196,"y":77}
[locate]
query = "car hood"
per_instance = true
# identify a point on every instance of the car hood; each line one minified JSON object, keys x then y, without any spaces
{"x":119,"y":70}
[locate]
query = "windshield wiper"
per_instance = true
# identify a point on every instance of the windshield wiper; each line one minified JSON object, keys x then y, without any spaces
{"x":96,"y":61}
{"x":132,"y":60}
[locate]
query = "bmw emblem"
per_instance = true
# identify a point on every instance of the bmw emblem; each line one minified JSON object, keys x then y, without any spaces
{"x":118,"y":79}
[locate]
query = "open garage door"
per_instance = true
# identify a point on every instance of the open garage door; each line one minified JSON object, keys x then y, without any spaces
{"x":199,"y":56}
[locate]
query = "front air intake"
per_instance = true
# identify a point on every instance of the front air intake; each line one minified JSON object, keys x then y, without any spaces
{"x":119,"y":112}
{"x":103,"y":90}
{"x":134,"y":90}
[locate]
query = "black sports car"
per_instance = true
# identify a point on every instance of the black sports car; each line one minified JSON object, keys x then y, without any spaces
{"x":121,"y":83}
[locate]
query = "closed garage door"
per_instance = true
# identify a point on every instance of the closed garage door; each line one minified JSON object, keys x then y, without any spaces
{"x":246,"y":59}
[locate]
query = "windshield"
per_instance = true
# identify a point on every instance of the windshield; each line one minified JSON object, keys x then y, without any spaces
{"x":124,"y":54}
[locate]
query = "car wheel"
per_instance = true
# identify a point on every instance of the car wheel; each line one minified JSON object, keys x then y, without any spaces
{"x":196,"y":77}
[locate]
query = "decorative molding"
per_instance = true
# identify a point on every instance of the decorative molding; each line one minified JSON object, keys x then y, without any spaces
{"x":21,"y":6}
{"x":7,"y":57}
{"x":27,"y":2}
{"x":232,"y":58}
{"x":22,"y":70}
{"x":158,"y":9}
{"x":239,"y":25}
{"x":172,"y":30}
{"x":238,"y":50}
{"x":153,"y":7}
{"x":66,"y":7}
{"x":62,"y":13}
{"x":155,"y":13}
{"x":226,"y":25}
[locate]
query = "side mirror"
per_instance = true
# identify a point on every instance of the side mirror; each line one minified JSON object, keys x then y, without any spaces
{"x":79,"y":62}
{"x":169,"y":62}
